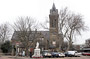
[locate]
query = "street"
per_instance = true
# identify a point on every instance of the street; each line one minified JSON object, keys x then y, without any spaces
{"x":13,"y":57}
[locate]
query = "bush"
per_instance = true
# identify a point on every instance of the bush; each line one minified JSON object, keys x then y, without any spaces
{"x":6,"y":47}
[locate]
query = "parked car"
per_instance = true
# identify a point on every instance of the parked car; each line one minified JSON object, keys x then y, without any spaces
{"x":46,"y":53}
{"x":78,"y":54}
{"x":62,"y":54}
{"x":71,"y":54}
{"x":86,"y":53}
{"x":57,"y":54}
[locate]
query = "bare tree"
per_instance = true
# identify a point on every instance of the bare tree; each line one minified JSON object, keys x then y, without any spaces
{"x":64,"y":46}
{"x":4,"y":32}
{"x":25,"y":26}
{"x":45,"y":25}
{"x":70,"y":24}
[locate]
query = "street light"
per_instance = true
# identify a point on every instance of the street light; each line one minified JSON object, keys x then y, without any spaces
{"x":17,"y":44}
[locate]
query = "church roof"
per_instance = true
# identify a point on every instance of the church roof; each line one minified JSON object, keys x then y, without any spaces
{"x":44,"y":33}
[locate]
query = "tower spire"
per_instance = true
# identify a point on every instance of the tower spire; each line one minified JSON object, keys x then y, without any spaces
{"x":53,"y":7}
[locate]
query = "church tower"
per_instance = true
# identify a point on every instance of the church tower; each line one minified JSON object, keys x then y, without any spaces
{"x":53,"y":16}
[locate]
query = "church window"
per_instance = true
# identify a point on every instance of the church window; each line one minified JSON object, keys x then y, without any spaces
{"x":54,"y":43}
{"x":54,"y":22}
{"x":41,"y":39}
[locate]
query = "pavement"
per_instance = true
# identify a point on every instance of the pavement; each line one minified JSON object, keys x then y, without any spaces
{"x":14,"y":57}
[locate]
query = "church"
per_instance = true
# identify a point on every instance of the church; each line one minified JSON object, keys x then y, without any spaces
{"x":48,"y":40}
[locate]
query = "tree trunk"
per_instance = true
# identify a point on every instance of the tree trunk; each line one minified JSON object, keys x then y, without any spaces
{"x":69,"y":45}
{"x":27,"y":52}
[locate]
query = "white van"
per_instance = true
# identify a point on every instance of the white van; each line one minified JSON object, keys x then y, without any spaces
{"x":70,"y":53}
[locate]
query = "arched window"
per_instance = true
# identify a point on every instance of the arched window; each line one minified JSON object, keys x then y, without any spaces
{"x":54,"y":22}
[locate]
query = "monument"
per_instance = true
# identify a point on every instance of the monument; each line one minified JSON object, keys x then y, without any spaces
{"x":37,"y":51}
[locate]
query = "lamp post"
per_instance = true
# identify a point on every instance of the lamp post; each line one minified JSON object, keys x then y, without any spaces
{"x":17,"y":44}
{"x":12,"y":49}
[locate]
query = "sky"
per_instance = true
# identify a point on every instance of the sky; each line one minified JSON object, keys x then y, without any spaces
{"x":10,"y":10}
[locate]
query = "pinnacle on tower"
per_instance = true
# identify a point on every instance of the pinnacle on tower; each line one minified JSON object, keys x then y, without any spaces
{"x":53,"y":7}
{"x":53,"y":10}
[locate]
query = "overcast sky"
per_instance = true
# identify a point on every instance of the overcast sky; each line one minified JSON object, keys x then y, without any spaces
{"x":39,"y":10}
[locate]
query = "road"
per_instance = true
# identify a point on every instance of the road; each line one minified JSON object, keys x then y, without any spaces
{"x":13,"y":57}
{"x":82,"y":57}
